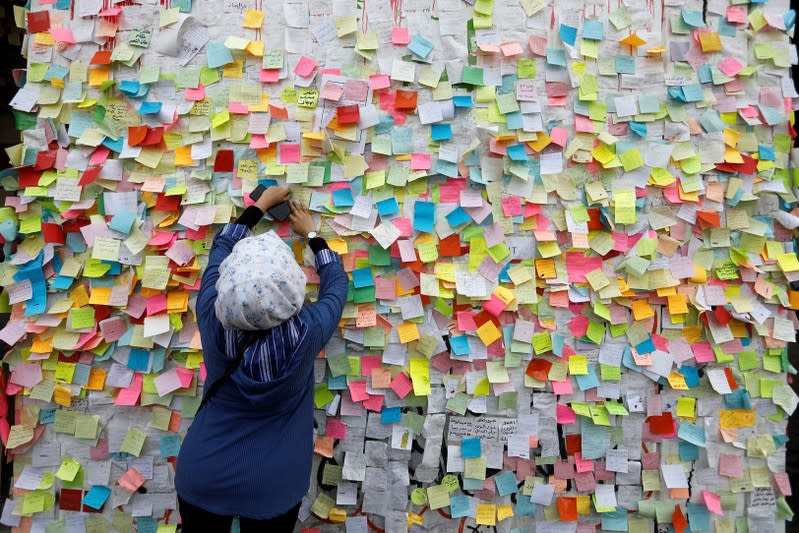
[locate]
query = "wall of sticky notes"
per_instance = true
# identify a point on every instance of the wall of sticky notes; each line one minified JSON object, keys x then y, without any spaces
{"x":568,"y":225}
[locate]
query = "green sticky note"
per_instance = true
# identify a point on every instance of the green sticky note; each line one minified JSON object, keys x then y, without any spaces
{"x":133,"y":442}
{"x":82,"y":318}
{"x":68,"y":470}
{"x":322,"y":396}
{"x":526,"y":68}
{"x":472,"y":76}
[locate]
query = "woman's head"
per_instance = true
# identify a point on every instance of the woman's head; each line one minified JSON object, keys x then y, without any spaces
{"x":260,"y":284}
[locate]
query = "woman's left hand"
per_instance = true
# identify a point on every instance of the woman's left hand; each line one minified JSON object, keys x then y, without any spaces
{"x":272,"y":196}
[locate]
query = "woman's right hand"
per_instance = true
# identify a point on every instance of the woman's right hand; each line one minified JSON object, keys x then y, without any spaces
{"x":301,"y":219}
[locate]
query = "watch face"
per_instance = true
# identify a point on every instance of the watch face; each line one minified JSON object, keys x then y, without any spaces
{"x":312,"y":235}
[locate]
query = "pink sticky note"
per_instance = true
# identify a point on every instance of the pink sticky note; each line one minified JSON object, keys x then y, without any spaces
{"x":582,"y":465}
{"x":565,"y":414}
{"x":560,"y":136}
{"x":562,"y":387}
{"x":185,"y":375}
{"x":305,"y":67}
{"x":379,"y":81}
{"x":512,"y":206}
{"x":369,"y":362}
{"x":130,"y":395}
{"x":466,"y":321}
{"x":730,"y":66}
{"x":99,"y":156}
{"x":131,"y":480}
{"x":736,"y":14}
{"x":99,"y":452}
{"x":731,"y":465}
{"x":494,"y":305}
{"x":288,"y":153}
{"x":332,"y":92}
{"x":420,"y":162}
{"x":271,"y":75}
{"x":14,"y":331}
{"x":712,"y":502}
{"x":336,"y":429}
{"x":156,"y":304}
{"x":783,"y":483}
{"x":358,"y":391}
{"x":258,"y":141}
{"x":194,"y":95}
{"x":404,"y":225}
{"x":237,"y":108}
{"x":538,"y":45}
{"x":374,"y":402}
{"x":401,"y":385}
{"x":62,"y":35}
{"x":511,"y":49}
{"x":113,"y":328}
{"x":27,"y":374}
{"x":703,"y":353}
{"x":400,"y":36}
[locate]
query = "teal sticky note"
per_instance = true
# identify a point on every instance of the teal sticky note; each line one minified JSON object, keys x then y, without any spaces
{"x":692,"y":18}
{"x":556,"y":56}
{"x":424,"y":216}
{"x":625,"y":64}
{"x":459,"y":506}
{"x":96,"y":496}
{"x":420,"y":46}
{"x":123,"y":222}
{"x":440,"y":132}
{"x":218,"y":55}
{"x":470,"y":448}
{"x":362,"y":277}
{"x":506,"y":483}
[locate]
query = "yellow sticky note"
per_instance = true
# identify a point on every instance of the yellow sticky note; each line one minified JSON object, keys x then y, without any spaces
{"x":420,"y":376}
{"x":408,"y":332}
{"x":788,"y":262}
{"x":624,"y":203}
{"x":488,"y":333}
{"x":253,"y":19}
{"x":686,"y":407}
{"x":642,"y":310}
{"x":486,"y":514}
{"x":578,"y":365}
{"x":68,"y":470}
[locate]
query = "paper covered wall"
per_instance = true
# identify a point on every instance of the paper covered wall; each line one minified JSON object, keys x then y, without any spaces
{"x":593,"y":200}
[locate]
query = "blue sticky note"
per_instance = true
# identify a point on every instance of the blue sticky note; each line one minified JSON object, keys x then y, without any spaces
{"x":63,"y":4}
{"x":460,"y":345}
{"x":588,"y":381}
{"x":130,"y":87}
{"x":625,"y":64}
{"x":556,"y":56}
{"x":62,"y":282}
{"x":524,"y":507}
{"x":693,"y":92}
{"x":56,"y":72}
{"x":424,"y":216}
{"x":390,"y":415}
{"x":462,"y":101}
{"x":170,"y":445}
{"x":593,"y":29}
{"x":218,"y":55}
{"x":705,"y":74}
{"x":639,"y":128}
{"x":123,"y":221}
{"x":362,"y":277}
{"x":514,"y":120}
{"x":457,"y":217}
{"x":516,"y":152}
{"x":337,"y":382}
{"x":150,"y":108}
{"x":389,"y":206}
{"x":693,"y":18}
{"x":343,"y":198}
{"x":441,"y":132}
{"x":139,"y":360}
{"x":766,"y":153}
{"x":115,"y":145}
{"x":96,"y":496}
{"x":420,"y":46}
{"x":80,"y":375}
{"x":459,"y":506}
{"x":470,"y":448}
{"x":568,"y":34}
{"x":506,"y":483}
{"x":647,"y":346}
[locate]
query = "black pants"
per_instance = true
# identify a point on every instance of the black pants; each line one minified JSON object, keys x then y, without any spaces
{"x":197,"y":520}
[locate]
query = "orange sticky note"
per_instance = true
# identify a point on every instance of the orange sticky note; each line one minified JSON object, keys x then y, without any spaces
{"x":642,"y":310}
{"x":408,"y":332}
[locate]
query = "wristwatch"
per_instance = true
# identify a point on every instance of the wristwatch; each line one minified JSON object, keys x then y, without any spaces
{"x":312,"y":235}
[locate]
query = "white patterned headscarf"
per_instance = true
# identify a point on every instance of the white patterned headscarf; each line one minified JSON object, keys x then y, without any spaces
{"x":260,"y":284}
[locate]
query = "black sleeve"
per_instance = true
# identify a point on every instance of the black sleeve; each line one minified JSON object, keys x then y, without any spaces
{"x":317,"y":243}
{"x":251,"y":216}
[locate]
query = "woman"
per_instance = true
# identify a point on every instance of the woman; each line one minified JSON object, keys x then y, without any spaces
{"x":249,"y":450}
